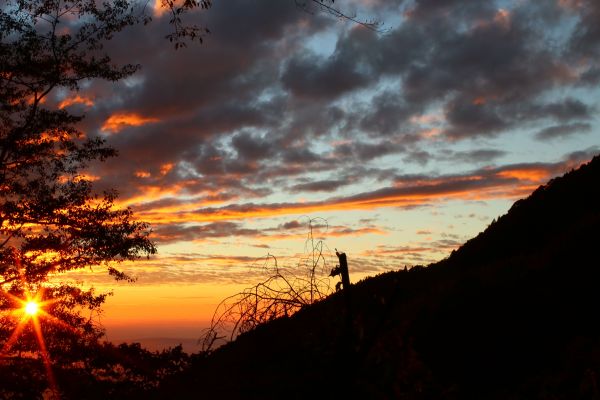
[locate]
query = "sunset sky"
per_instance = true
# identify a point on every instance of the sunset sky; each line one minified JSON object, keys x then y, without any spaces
{"x":407,"y":141}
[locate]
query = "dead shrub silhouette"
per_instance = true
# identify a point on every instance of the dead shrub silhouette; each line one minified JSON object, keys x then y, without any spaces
{"x":282,"y":292}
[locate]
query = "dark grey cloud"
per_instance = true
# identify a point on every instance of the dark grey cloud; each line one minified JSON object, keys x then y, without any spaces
{"x":387,"y":114}
{"x":577,"y":157}
{"x":591,"y":77}
{"x":177,"y":232}
{"x":489,"y":66}
{"x":420,"y":157}
{"x":253,"y":148}
{"x":567,"y":110}
{"x":476,"y":156}
{"x":359,"y":151}
{"x":424,"y":10}
{"x":333,"y":78}
{"x":200,"y":93}
{"x":562,"y":131}
{"x":328,"y":185}
{"x":292,"y":225}
{"x":467,"y":119}
{"x":586,"y":39}
{"x":299,"y":155}
{"x":350,"y":67}
{"x":403,"y":179}
{"x":254,"y":112}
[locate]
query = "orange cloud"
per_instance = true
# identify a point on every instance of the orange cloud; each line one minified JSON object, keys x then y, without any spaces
{"x":531,"y":175}
{"x":81,"y":177}
{"x":151,"y":193}
{"x":166,"y":168}
{"x":509,"y":182}
{"x":168,"y":198}
{"x":142,"y":174}
{"x":117,"y":122}
{"x":269,"y":210}
{"x":88,"y":177}
{"x":430,"y":133}
{"x":69,"y":101}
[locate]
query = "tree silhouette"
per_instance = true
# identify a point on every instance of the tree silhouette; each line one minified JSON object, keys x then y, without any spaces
{"x":51,"y":220}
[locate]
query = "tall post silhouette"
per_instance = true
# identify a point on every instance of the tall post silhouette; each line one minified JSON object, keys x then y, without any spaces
{"x":344,"y":270}
{"x":341,"y":269}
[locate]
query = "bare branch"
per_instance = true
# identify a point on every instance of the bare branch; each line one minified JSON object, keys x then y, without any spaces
{"x":310,"y":6}
{"x":283,"y":292}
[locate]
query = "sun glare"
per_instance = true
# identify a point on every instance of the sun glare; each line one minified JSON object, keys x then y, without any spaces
{"x":31,"y":308}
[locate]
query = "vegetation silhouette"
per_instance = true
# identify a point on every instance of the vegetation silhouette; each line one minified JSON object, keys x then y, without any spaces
{"x":510,"y":314}
{"x":51,"y":219}
{"x":282,"y":292}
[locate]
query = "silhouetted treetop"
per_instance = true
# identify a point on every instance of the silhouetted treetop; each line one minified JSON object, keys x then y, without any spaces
{"x":551,"y":210}
{"x":51,"y":219}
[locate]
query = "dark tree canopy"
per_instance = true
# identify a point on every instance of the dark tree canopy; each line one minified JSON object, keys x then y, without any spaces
{"x":51,"y":220}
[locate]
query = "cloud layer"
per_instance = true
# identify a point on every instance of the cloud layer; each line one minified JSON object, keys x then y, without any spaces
{"x":282,"y":113}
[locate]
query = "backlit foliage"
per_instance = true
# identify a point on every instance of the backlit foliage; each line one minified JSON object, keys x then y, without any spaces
{"x":51,"y":220}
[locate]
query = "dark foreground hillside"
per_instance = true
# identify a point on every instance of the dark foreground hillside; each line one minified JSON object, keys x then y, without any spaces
{"x":512,"y":314}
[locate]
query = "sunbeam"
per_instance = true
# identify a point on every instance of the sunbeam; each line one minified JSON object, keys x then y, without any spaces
{"x":32,"y":310}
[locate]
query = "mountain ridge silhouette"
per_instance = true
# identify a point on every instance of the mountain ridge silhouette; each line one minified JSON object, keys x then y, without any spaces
{"x":513,"y":313}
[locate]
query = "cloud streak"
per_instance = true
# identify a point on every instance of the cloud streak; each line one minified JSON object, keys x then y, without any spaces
{"x":510,"y":181}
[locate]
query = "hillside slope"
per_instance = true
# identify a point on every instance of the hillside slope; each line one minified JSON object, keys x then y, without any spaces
{"x":511,"y":314}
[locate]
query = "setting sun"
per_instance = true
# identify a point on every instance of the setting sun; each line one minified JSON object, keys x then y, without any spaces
{"x":31,"y":308}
